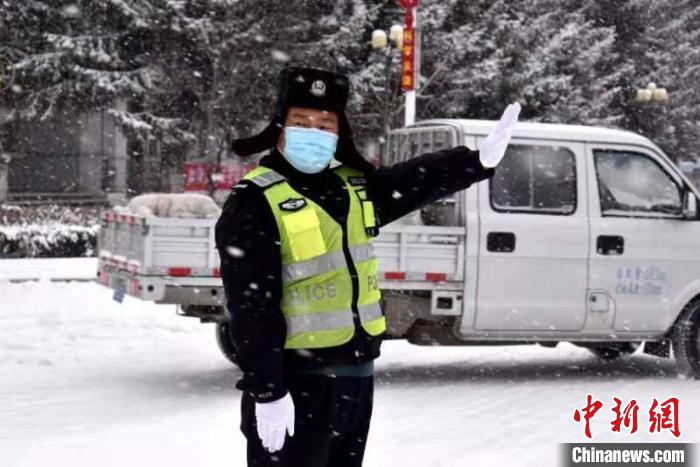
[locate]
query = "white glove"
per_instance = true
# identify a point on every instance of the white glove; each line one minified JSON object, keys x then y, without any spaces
{"x":273,"y":420}
{"x":493,"y":147}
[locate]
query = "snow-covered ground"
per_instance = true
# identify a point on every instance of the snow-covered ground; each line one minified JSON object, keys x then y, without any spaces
{"x":48,"y":268}
{"x":86,"y":381}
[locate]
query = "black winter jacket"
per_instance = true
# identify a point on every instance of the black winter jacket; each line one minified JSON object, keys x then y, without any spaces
{"x":249,"y":247}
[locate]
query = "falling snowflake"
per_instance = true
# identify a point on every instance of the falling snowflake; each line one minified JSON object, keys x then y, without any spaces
{"x":235,"y":252}
{"x":279,"y":56}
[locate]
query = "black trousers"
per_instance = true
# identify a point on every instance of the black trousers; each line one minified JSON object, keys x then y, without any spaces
{"x":332,"y":417}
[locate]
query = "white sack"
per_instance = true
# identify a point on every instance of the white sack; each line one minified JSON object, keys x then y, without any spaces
{"x":181,"y":205}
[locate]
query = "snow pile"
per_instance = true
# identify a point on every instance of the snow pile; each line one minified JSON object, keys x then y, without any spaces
{"x":47,"y":240}
{"x":48,"y":268}
{"x":182,"y":205}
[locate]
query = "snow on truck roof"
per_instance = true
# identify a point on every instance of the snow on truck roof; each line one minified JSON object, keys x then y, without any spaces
{"x":548,"y":130}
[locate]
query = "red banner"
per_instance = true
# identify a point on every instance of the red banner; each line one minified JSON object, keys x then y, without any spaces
{"x":196,"y":176}
{"x":408,"y":60}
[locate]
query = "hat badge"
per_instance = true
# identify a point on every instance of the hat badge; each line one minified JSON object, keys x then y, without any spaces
{"x":318,"y":88}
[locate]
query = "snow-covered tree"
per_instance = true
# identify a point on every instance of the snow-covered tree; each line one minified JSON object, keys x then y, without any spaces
{"x":197,"y":72}
{"x":194,"y":73}
{"x":674,"y":50}
{"x":324,"y":33}
{"x":546,"y":55}
{"x":654,"y":46}
{"x":136,"y":59}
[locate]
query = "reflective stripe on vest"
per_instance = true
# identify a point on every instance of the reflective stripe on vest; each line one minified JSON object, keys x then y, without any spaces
{"x":270,"y":177}
{"x":368,"y":215}
{"x":331,"y":319}
{"x":266,"y":178}
{"x":326,"y":262}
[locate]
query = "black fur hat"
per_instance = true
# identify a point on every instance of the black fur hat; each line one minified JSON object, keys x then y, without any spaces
{"x":313,"y":88}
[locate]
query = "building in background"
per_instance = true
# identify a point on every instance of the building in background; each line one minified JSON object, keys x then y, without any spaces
{"x":81,"y":158}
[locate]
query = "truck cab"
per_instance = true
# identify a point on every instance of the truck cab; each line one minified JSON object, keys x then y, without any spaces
{"x":585,"y":234}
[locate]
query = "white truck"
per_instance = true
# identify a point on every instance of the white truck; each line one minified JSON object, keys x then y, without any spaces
{"x":585,"y":234}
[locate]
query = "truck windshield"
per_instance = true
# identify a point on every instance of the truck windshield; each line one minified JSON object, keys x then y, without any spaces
{"x":631,"y":183}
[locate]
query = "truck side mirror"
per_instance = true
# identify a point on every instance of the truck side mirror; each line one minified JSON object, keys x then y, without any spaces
{"x":690,"y":204}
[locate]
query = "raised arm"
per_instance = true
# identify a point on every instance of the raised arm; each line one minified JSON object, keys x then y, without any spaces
{"x":410,"y":185}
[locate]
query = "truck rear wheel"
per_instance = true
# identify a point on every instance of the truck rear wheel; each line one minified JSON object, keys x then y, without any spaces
{"x":223,"y":340}
{"x":685,"y":338}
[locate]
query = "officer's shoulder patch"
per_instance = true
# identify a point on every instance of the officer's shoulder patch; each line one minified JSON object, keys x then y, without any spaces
{"x":357,"y":180}
{"x":292,"y":204}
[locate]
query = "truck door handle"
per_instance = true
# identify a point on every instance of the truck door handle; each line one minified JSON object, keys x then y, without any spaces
{"x":610,"y":245}
{"x":502,"y":242}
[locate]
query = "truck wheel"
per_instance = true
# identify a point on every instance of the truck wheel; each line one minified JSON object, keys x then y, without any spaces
{"x":223,"y":340}
{"x":686,"y":340}
{"x":614,"y":351}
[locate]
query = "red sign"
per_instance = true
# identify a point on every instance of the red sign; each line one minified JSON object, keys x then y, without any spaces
{"x":197,"y":174}
{"x":408,"y":3}
{"x":231,"y":174}
{"x":408,"y":60}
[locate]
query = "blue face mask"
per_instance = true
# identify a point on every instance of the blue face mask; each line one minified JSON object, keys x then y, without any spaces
{"x":309,"y":150}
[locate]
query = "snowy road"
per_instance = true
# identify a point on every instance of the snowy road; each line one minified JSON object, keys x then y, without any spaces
{"x":86,"y":381}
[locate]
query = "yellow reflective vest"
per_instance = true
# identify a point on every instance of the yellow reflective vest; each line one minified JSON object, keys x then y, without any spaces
{"x":318,"y":259}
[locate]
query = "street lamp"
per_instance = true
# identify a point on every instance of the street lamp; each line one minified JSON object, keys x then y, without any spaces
{"x":650,"y":119}
{"x":383,"y":41}
{"x":396,"y":34}
{"x":651,"y":94}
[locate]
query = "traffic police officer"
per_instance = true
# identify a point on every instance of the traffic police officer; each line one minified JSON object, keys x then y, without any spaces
{"x":299,"y":274}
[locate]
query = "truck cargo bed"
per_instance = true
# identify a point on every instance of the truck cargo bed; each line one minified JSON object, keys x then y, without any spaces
{"x":171,"y":260}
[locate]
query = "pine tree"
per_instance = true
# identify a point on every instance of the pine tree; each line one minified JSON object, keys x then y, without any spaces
{"x":323,"y":33}
{"x":540,"y":52}
{"x":661,"y":48}
{"x":675,"y":52}
{"x":136,"y":59}
{"x":194,"y":73}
